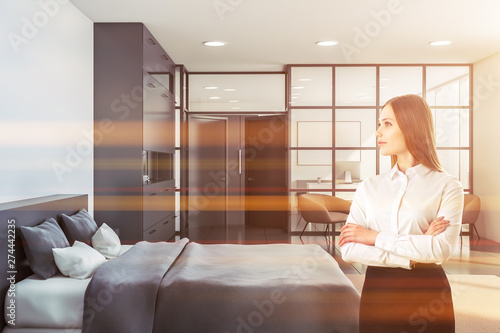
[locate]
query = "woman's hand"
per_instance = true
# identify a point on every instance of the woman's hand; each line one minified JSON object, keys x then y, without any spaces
{"x":352,"y":232}
{"x":437,"y":226}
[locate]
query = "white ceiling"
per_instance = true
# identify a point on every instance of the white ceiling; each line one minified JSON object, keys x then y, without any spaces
{"x":265,"y":35}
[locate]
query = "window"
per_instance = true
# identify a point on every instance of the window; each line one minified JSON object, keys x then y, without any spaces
{"x":333,"y":112}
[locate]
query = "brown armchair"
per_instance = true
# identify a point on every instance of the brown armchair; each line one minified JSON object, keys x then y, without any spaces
{"x":323,"y":209}
{"x":472,"y":206}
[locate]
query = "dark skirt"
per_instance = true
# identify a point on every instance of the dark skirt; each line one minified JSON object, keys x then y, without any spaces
{"x":401,"y":300}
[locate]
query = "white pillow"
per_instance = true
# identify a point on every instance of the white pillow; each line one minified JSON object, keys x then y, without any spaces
{"x":107,"y":242}
{"x":79,"y":261}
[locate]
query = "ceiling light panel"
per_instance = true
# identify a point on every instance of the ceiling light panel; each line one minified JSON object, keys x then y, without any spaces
{"x":214,"y":43}
{"x":327,"y":43}
{"x":440,"y":42}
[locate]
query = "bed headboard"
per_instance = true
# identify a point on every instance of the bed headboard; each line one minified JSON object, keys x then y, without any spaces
{"x":28,"y":212}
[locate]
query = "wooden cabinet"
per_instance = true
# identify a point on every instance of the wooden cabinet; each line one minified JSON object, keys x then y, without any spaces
{"x":155,"y":58}
{"x":161,"y":230}
{"x":158,"y":210}
{"x":158,"y":113}
{"x":134,"y":124}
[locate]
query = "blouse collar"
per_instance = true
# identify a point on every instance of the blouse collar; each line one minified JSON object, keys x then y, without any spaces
{"x":418,"y":169}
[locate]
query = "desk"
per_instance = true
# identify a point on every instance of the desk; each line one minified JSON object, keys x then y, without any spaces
{"x":319,"y":186}
{"x":328,"y":185}
{"x":339,"y":187}
{"x":347,"y":186}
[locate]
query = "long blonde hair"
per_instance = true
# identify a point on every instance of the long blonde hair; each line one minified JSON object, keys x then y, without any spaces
{"x":414,"y":118}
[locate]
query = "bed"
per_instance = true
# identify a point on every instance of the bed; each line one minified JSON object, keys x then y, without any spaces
{"x":178,"y":286}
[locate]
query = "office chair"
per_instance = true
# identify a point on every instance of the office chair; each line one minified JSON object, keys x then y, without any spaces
{"x":323,"y":209}
{"x":472,"y":206}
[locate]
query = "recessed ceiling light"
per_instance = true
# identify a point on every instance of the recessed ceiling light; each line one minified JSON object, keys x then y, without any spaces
{"x":236,"y":108}
{"x":327,"y":43}
{"x":229,"y":89}
{"x":297,"y":87}
{"x":214,"y":43}
{"x":233,"y":101}
{"x":294,"y":97}
{"x":214,"y":97}
{"x":364,"y":97}
{"x":440,"y":42}
{"x":210,"y":87}
{"x":305,"y":80}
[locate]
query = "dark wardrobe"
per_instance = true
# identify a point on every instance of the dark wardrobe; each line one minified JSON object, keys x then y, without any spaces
{"x":134,"y":124}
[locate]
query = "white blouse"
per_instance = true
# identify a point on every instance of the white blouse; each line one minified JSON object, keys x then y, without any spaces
{"x":401,"y":206}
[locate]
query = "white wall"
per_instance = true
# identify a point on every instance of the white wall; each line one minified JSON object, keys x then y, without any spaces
{"x":486,"y":145}
{"x":46,"y":100}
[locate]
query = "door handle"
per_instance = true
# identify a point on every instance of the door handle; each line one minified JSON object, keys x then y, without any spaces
{"x":239,"y":161}
{"x":250,"y":179}
{"x":222,"y":179}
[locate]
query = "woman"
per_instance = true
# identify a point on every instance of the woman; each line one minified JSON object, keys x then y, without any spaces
{"x":403,"y":224}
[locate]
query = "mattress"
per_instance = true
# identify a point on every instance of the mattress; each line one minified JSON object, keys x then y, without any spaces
{"x":45,"y":303}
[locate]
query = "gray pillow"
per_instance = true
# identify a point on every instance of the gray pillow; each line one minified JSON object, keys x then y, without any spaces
{"x":79,"y":227}
{"x":38,"y":243}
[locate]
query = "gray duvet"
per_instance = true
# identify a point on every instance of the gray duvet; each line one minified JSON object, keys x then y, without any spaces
{"x":221,"y":288}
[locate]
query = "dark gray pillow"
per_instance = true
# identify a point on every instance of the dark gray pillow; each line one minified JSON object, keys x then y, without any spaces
{"x":38,"y":243}
{"x":79,"y":227}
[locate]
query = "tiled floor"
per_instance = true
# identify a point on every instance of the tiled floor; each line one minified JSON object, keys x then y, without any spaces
{"x":479,"y":257}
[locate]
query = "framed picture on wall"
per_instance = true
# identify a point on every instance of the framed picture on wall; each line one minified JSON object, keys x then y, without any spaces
{"x":318,"y":134}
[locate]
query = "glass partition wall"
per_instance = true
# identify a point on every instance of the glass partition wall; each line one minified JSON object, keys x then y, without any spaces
{"x":332,"y":115}
{"x":181,"y":92}
{"x":333,"y":112}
